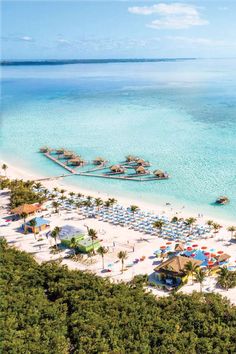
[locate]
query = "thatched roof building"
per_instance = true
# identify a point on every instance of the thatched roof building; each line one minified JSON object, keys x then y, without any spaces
{"x":117,"y":169}
{"x":26,"y":209}
{"x":141,"y":170}
{"x":69,"y":155}
{"x":44,"y":149}
{"x":176,"y":265}
{"x":159,"y":173}
{"x":131,"y":158}
{"x":142,"y":162}
{"x":99,"y":161}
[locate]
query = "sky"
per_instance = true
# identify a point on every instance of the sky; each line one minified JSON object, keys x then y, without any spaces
{"x":117,"y":29}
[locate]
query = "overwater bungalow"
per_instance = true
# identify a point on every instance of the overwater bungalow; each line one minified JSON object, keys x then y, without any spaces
{"x":99,"y":161}
{"x":160,"y":174}
{"x":142,"y":162}
{"x":222,"y":200}
{"x":69,"y":155}
{"x":76,"y":161}
{"x":140,"y":170}
{"x":60,"y":151}
{"x":44,"y":149}
{"x":131,"y":159}
{"x":117,"y":169}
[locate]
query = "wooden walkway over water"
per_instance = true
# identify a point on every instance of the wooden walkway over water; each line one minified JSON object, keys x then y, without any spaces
{"x":90,"y":172}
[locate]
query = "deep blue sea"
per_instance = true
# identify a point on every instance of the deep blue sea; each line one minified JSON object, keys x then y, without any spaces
{"x":180,"y":115}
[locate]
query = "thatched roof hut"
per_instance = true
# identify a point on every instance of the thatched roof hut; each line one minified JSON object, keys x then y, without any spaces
{"x":117,"y":169}
{"x":99,"y":161}
{"x":222,"y":200}
{"x":131,"y":158}
{"x":60,"y":151}
{"x":26,"y":208}
{"x":141,"y":170}
{"x":44,"y":149}
{"x":142,"y":162}
{"x":176,"y":265}
{"x":222,"y":257}
{"x":76,"y":161}
{"x":69,"y":155}
{"x":159,"y":173}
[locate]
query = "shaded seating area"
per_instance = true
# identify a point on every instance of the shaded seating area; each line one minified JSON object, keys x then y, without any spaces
{"x":172,"y":272}
{"x":36,"y":225}
{"x":27,"y":209}
{"x":68,"y":232}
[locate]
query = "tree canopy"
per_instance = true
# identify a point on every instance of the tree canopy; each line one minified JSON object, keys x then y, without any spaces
{"x":49,"y":309}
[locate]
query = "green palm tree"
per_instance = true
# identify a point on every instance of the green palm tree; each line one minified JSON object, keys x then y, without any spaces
{"x":190,"y":222}
{"x":190,"y":268}
{"x":231,"y":229}
{"x":87,"y":203}
{"x":73,"y":244}
{"x":216,"y":227}
{"x":122,"y":255}
{"x":4,"y":168}
{"x":24,"y":216}
{"x":112,"y":201}
{"x":210,"y":223}
{"x":98,"y":202}
{"x":55,"y":233}
{"x":55,"y":189}
{"x":38,"y":186}
{"x":174,"y":219}
{"x":102,"y":251}
{"x":56,"y":205}
{"x":62,"y":191}
{"x":134,"y":208}
{"x":93,"y":234}
{"x":33,"y":224}
{"x":200,"y":276}
{"x":225,"y":279}
{"x":107,"y":203}
{"x":71,"y":194}
{"x":158,"y":225}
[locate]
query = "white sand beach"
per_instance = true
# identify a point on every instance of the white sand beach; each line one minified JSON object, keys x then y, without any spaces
{"x":114,"y":237}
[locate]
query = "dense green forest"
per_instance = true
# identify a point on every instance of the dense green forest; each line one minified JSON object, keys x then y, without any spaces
{"x":49,"y":309}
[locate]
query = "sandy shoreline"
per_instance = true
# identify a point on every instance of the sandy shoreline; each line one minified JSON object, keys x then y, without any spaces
{"x":113,"y":237}
{"x":15,"y":172}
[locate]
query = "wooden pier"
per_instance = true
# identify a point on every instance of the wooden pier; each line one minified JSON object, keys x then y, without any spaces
{"x":47,"y":154}
{"x":89,"y":173}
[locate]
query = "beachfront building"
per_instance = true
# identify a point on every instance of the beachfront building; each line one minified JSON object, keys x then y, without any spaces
{"x":172,"y":273}
{"x":84,"y":244}
{"x":88,"y":245}
{"x":36,"y":225}
{"x":67,"y":232}
{"x":28,"y":209}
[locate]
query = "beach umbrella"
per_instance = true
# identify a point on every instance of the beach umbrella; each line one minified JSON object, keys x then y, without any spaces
{"x":163,"y":247}
{"x":210,"y":263}
{"x":212,"y":250}
{"x":189,"y":248}
{"x":169,"y":243}
{"x":194,"y":246}
{"x":192,"y":255}
{"x":220,"y":252}
{"x":204,"y":247}
{"x":207,"y":254}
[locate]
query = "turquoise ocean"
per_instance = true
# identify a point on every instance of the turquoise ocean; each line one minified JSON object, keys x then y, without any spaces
{"x":180,"y":115}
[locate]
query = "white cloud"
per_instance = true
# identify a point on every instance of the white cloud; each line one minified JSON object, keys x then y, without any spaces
{"x":171,"y":16}
{"x":18,"y":38}
{"x":26,"y":39}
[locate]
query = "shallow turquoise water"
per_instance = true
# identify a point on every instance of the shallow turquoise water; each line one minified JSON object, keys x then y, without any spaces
{"x":179,"y":115}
